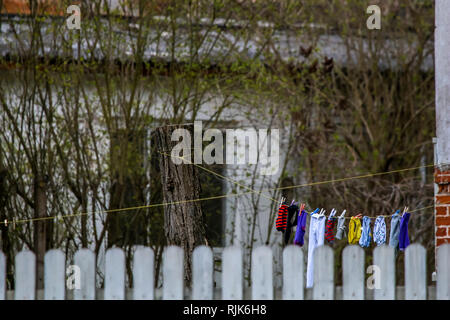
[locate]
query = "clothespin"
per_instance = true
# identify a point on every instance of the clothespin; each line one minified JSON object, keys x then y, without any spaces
{"x":293,"y":200}
{"x":405,"y":209}
{"x":14,"y":223}
{"x":5,"y":222}
{"x":343,"y":213}
{"x":281,"y":202}
{"x":332,"y":213}
{"x":302,"y":207}
{"x":315,"y":211}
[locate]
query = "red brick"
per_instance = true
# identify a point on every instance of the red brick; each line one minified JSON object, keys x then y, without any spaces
{"x":444,"y":188}
{"x":440,"y":241}
{"x":441,"y":176}
{"x":441,"y":199}
{"x":441,"y":232}
{"x":442,"y":179}
{"x":442,"y":221}
{"x":442,"y":211}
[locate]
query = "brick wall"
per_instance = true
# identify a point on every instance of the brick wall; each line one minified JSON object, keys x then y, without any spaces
{"x":442,"y":217}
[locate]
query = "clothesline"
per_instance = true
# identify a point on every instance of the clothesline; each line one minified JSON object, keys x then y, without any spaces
{"x":321,"y":229}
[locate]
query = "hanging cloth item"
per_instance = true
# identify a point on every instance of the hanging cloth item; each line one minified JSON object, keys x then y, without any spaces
{"x":329,"y":227}
{"x":316,"y":239}
{"x":301,"y":229}
{"x":282,"y":218}
{"x":354,"y":230}
{"x":341,"y":226}
{"x":292,"y":212}
{"x":395,"y":230}
{"x":379,"y":231}
{"x":404,"y":237}
{"x":366,"y":234}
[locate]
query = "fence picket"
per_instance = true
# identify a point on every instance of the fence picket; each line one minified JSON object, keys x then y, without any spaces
{"x":415,"y":272}
{"x":323,"y":288}
{"x":2,"y":276}
{"x":143,"y":274}
{"x":262,"y":281}
{"x":202,"y":273}
{"x":232,"y":277}
{"x":353,"y":273}
{"x":115,"y":274}
{"x":84,"y":259}
{"x":442,"y":274}
{"x":173,"y":280}
{"x":261,"y":273}
{"x":25,"y":275}
{"x":54,"y":275}
{"x":293,"y":271}
{"x":384,"y":259}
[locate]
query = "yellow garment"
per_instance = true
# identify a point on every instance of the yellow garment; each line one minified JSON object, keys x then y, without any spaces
{"x":354,"y":230}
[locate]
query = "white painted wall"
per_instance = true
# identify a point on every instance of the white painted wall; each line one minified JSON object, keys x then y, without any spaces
{"x":442,"y":73}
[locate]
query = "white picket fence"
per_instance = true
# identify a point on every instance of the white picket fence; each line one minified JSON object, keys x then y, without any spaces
{"x":354,"y":284}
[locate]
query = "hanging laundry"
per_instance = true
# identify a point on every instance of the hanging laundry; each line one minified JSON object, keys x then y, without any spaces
{"x":282,"y":218}
{"x":379,"y":231}
{"x":403,"y":236}
{"x":316,"y":239}
{"x":341,"y":226}
{"x":395,"y":230}
{"x":366,"y":234}
{"x":292,"y":213}
{"x":301,"y":228}
{"x":354,"y":230}
{"x":329,"y":227}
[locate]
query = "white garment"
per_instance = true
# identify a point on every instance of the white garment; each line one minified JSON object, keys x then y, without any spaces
{"x":316,"y":239}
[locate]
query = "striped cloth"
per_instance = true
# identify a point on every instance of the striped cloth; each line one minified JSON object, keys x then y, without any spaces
{"x":329,"y":235}
{"x":282,"y":218}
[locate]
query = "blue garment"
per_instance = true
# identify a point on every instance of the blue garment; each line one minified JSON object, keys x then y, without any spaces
{"x":395,"y":230}
{"x":340,"y":228}
{"x":366,"y":235}
{"x":379,"y":231}
{"x":301,"y":227}
{"x":404,"y":237}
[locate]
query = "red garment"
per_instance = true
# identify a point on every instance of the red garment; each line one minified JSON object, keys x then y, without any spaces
{"x":282,"y":218}
{"x":329,"y":235}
